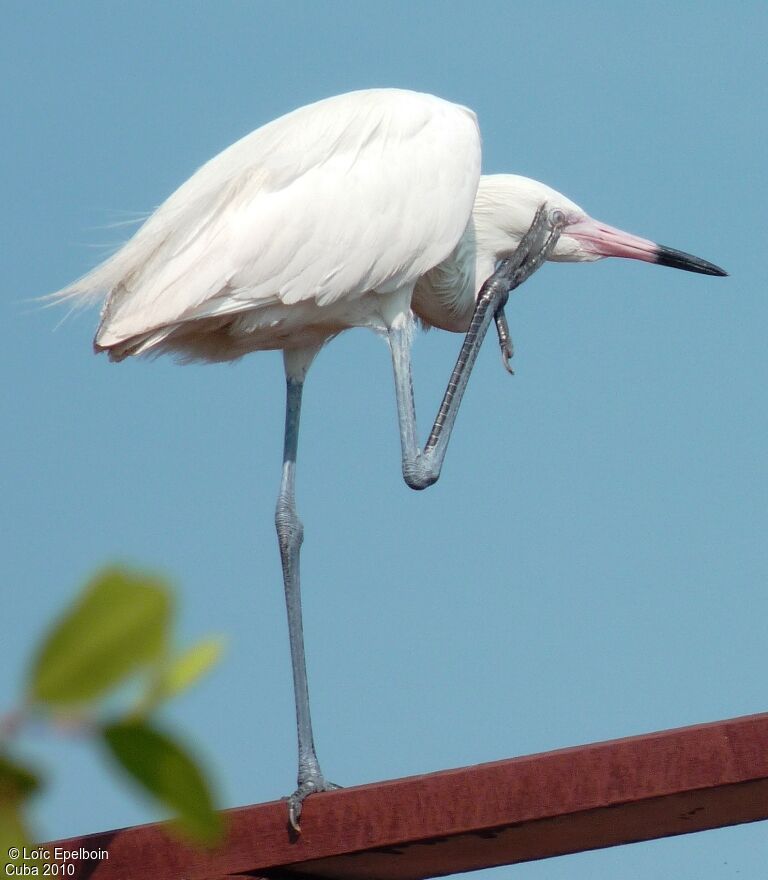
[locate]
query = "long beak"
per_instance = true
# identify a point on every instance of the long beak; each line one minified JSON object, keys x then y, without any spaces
{"x":605,"y":241}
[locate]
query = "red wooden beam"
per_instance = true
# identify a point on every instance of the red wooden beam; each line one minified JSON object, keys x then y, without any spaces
{"x":567,"y":801}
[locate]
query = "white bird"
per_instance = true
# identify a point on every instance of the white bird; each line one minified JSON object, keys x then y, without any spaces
{"x":357,"y":211}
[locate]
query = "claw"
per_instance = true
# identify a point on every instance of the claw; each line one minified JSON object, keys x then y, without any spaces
{"x":306,"y":788}
{"x":505,"y":340}
{"x":294,"y":812}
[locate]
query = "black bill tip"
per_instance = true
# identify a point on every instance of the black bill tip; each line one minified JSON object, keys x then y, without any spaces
{"x":680,"y":260}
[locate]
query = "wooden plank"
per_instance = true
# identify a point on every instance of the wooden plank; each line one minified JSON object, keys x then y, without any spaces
{"x":566,"y":801}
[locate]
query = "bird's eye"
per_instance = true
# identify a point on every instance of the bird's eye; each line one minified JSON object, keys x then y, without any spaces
{"x":557,"y":218}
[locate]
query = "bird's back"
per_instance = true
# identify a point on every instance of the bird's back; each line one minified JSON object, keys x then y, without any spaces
{"x":361,"y":192}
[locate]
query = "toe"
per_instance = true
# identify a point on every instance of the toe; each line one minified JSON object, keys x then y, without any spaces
{"x":308,"y":787}
{"x":294,"y":813}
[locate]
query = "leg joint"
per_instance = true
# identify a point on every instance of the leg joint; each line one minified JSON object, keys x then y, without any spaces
{"x":419,"y":475}
{"x":290,"y":530}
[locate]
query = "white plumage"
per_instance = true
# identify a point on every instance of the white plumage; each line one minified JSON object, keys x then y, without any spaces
{"x":272,"y":243}
{"x":310,"y":224}
{"x":354,"y":211}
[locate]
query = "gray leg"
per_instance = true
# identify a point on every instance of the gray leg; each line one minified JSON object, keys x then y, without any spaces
{"x":290,"y":533}
{"x":421,"y":468}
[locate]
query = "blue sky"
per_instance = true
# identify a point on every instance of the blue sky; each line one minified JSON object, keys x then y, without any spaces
{"x":592,"y":562}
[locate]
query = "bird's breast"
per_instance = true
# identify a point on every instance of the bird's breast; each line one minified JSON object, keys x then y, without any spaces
{"x":445,"y":296}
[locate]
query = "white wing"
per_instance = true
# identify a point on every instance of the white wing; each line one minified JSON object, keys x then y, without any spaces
{"x":365,"y":191}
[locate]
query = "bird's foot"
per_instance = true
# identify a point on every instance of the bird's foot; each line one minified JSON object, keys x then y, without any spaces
{"x":310,"y":785}
{"x":506,"y":354}
{"x":505,"y":340}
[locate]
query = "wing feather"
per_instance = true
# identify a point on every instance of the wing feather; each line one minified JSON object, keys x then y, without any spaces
{"x":362,"y":192}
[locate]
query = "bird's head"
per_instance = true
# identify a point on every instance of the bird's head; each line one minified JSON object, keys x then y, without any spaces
{"x":505,"y":207}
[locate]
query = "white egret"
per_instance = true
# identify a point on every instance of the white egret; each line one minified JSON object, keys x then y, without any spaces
{"x":357,"y":211}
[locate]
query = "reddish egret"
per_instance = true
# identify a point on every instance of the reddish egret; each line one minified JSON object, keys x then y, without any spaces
{"x":357,"y":211}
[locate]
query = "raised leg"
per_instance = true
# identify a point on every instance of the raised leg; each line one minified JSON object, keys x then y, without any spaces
{"x":290,"y":534}
{"x":421,"y":468}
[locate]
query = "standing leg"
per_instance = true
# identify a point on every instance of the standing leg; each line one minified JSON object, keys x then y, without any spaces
{"x":421,"y":468}
{"x":290,"y":533}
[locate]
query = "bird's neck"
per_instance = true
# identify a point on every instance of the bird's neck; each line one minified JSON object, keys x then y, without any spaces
{"x":445,"y":296}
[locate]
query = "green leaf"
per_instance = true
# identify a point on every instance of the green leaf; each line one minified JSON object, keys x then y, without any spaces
{"x":15,"y":843}
{"x":168,"y":773}
{"x":185,"y":669}
{"x":16,"y":782}
{"x":119,"y":623}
